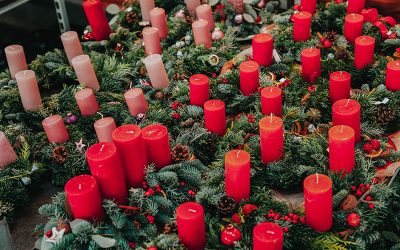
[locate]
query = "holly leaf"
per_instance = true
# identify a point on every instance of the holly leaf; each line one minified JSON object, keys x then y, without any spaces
{"x":248,"y":18}
{"x":213,"y":2}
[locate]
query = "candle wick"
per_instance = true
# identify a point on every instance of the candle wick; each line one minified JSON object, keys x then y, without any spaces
{"x":102,"y":147}
{"x":310,"y":50}
{"x":80,"y":186}
{"x":192,"y":210}
{"x":130,"y":85}
{"x":131,"y":132}
{"x":397,"y":63}
{"x":347,"y":104}
{"x":213,"y":103}
{"x":352,"y":15}
{"x":100,"y":115}
{"x":270,"y":119}
{"x":340,"y":73}
{"x":271,"y":89}
{"x":237,"y":155}
{"x":25,"y":72}
{"x":341,"y":130}
{"x":317,"y":179}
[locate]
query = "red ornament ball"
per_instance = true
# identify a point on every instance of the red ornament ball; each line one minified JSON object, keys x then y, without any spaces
{"x":327,"y":44}
{"x":368,"y":198}
{"x":230,"y":234}
{"x":368,"y":147}
{"x":49,"y":233}
{"x":393,"y":35}
{"x":375,"y":144}
{"x":285,"y":229}
{"x":371,"y":205}
{"x":88,"y":36}
{"x":353,"y":220}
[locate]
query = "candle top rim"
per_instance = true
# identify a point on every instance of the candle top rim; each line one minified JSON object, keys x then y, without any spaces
{"x":69,"y":34}
{"x":310,"y":52}
{"x":133,"y":92}
{"x":189,"y":210}
{"x":365,"y":40}
{"x":25,"y":74}
{"x":86,"y":182}
{"x":150,"y":58}
{"x":53,"y":119}
{"x":237,"y":157}
{"x":324,"y":183}
{"x":266,"y":92}
{"x":103,"y":121}
{"x":394,"y":64}
{"x":346,"y":106}
{"x":154,"y":131}
{"x":198,"y":79}
{"x":262,"y":37}
{"x":101,"y":151}
{"x":149,"y":29}
{"x":214,"y":105}
{"x":302,"y":15}
{"x":126,"y":132}
{"x":267,"y":231}
{"x":268,"y":123}
{"x":249,"y":66}
{"x":156,"y":11}
{"x":341,"y":133}
{"x":203,"y":6}
{"x":354,"y":17}
{"x":91,"y":2}
{"x":80,"y":58}
{"x":199,"y":23}
{"x":84,"y":93}
{"x":340,"y":75}
{"x":13,"y":48}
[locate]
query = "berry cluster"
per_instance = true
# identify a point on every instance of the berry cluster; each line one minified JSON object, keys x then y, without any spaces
{"x":250,"y":118}
{"x":291,"y":217}
{"x":372,"y":145}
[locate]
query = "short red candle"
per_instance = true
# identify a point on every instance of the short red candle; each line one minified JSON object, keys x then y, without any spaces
{"x":355,"y":6}
{"x":83,"y":195}
{"x":310,"y":63}
{"x":55,"y":129}
{"x":191,"y":227}
{"x":131,"y":149}
{"x":105,"y":166}
{"x":262,"y":45}
{"x":158,"y":20}
{"x":308,"y":5}
{"x":271,"y":138}
{"x":97,"y":19}
{"x":347,"y":112}
{"x":302,"y":26}
{"x":237,"y":174}
{"x":87,"y":102}
{"x":341,"y":149}
{"x":267,"y":235}
{"x":214,"y":116}
{"x":339,"y":85}
{"x":156,"y":142}
{"x":364,"y":51}
{"x":318,"y":201}
{"x":199,"y":89}
{"x":353,"y":27}
{"x":249,"y":77}
{"x":271,"y":101}
{"x":393,"y":76}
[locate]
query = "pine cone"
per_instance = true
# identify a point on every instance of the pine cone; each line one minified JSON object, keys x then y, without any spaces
{"x":130,"y":17}
{"x":188,"y":123}
{"x":342,"y":53}
{"x":348,"y":203}
{"x":64,"y":225}
{"x":332,"y":36}
{"x":159,"y":95}
{"x":170,"y":228}
{"x":180,"y":153}
{"x":227,"y":206}
{"x":313,"y":115}
{"x":60,"y":154}
{"x":384,"y":114}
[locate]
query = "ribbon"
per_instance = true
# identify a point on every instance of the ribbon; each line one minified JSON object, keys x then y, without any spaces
{"x":371,"y":15}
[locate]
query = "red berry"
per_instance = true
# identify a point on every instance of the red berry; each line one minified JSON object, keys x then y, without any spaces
{"x":375,"y":144}
{"x":49,"y":233}
{"x":368,"y":198}
{"x":353,"y":188}
{"x":131,"y":245}
{"x":375,"y":180}
{"x":295,"y":217}
{"x":358,"y":193}
{"x":225,"y":81}
{"x":150,"y":218}
{"x":302,"y":220}
{"x":182,"y":183}
{"x":291,"y":215}
{"x":361,"y":185}
{"x":371,"y":205}
{"x":249,"y":208}
{"x":294,"y":221}
{"x":230,"y":234}
{"x":152,"y":248}
{"x":144,"y":184}
{"x":286,"y":218}
{"x":368,"y":147}
{"x":277,"y":217}
{"x":285,"y":229}
{"x":270,"y":215}
{"x":353,"y":220}
{"x":191,"y":193}
{"x":327,"y":44}
{"x":258,"y":19}
{"x":271,"y":210}
{"x":368,"y":186}
{"x":236,"y":218}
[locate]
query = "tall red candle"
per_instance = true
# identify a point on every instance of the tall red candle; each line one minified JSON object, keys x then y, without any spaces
{"x":97,"y":19}
{"x":105,"y":166}
{"x":347,"y":112}
{"x":191,"y":226}
{"x":318,"y":201}
{"x":263,"y":45}
{"x":341,"y":149}
{"x":339,"y":85}
{"x":310,"y":63}
{"x":199,"y":89}
{"x":132,"y":152}
{"x":83,"y":195}
{"x":249,"y":77}
{"x":308,"y":5}
{"x":156,"y":142}
{"x":271,"y":138}
{"x":267,"y":235}
{"x":271,"y":101}
{"x":237,"y":174}
{"x":364,"y":51}
{"x":355,"y":6}
{"x":393,"y":76}
{"x":214,"y":116}
{"x":353,"y":27}
{"x":302,"y":26}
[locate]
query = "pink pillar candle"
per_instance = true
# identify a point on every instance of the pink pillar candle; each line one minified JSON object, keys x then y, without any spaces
{"x":393,"y":76}
{"x":191,"y":226}
{"x":84,"y":71}
{"x":158,"y":20}
{"x":364,"y":51}
{"x":347,"y":112}
{"x":302,"y":26}
{"x":355,"y":6}
{"x":237,"y":174}
{"x":353,"y":27}
{"x":267,"y":235}
{"x":156,"y":71}
{"x":72,"y":45}
{"x":151,"y":39}
{"x":87,"y":102}
{"x":199,"y":89}
{"x":16,"y":59}
{"x":310,"y":63}
{"x":308,"y":5}
{"x":145,"y":7}
{"x":104,"y":128}
{"x":136,"y":101}
{"x":156,"y":142}
{"x":204,"y":12}
{"x":201,"y":33}
{"x":339,"y":86}
{"x":191,"y":5}
{"x":55,"y":129}
{"x":8,"y":154}
{"x":271,"y":101}
{"x":28,"y":90}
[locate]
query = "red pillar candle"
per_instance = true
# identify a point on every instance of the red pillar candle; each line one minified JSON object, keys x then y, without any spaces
{"x":84,"y":198}
{"x":237,"y":174}
{"x":97,"y":19}
{"x":199,"y":89}
{"x":393,"y":75}
{"x":267,"y":235}
{"x":271,"y":101}
{"x":347,"y":112}
{"x":156,"y":142}
{"x":318,"y":201}
{"x":262,"y":45}
{"x":355,"y":6}
{"x":308,"y":5}
{"x":341,"y":149}
{"x":302,"y":26}
{"x":191,"y":226}
{"x":55,"y":129}
{"x":87,"y":102}
{"x":214,"y":116}
{"x":364,"y":51}
{"x":105,"y":166}
{"x":310,"y":63}
{"x":158,"y":20}
{"x":132,"y":152}
{"x":353,"y":27}
{"x":271,"y":138}
{"x":339,"y":85}
{"x":249,"y":77}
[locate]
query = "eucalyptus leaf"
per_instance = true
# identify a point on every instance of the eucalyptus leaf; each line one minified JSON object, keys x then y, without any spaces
{"x":213,"y":2}
{"x":248,"y":1}
{"x":248,"y":18}
{"x":250,"y":10}
{"x":103,"y":242}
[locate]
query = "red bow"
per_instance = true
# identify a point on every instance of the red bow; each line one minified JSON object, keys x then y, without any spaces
{"x":371,"y":15}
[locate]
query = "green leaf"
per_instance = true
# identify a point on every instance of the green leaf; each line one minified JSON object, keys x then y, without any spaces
{"x":248,"y":18}
{"x":103,"y":242}
{"x":213,"y":2}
